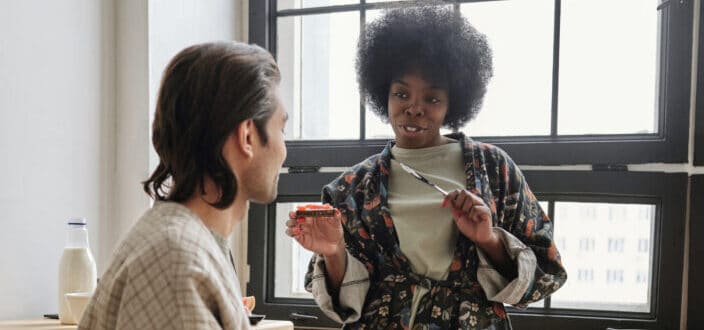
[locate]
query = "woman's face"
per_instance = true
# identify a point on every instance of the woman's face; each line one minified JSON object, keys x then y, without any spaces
{"x":417,"y":110}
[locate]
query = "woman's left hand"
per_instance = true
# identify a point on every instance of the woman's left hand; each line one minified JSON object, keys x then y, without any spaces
{"x":472,"y":216}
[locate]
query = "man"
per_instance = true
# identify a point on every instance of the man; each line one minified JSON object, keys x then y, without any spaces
{"x":218,"y":131}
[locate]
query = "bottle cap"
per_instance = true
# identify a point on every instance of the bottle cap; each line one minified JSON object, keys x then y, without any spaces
{"x":77,"y":221}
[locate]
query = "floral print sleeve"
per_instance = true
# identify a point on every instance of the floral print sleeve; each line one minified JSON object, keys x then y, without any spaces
{"x":517,"y":211}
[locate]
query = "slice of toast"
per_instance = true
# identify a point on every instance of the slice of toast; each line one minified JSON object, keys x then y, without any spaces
{"x":315,"y":210}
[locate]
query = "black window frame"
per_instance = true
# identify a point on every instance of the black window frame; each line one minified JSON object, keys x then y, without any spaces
{"x":669,"y":145}
{"x":695,"y":290}
{"x":665,"y":190}
{"x":699,"y":104}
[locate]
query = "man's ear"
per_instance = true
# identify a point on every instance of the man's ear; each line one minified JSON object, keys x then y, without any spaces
{"x":244,"y":138}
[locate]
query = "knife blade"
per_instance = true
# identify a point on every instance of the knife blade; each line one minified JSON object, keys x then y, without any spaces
{"x":421,"y":178}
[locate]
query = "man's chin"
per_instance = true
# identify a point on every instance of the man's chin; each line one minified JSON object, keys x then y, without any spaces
{"x":264,"y":201}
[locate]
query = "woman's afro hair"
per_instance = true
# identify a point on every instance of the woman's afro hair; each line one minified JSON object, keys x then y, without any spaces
{"x":434,"y":42}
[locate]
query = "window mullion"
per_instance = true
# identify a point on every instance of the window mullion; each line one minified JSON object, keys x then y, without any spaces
{"x":271,"y":35}
{"x":362,"y":113}
{"x":555,"y":69}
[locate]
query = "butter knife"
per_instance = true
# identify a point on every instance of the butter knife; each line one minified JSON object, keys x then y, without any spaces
{"x":422,"y":178}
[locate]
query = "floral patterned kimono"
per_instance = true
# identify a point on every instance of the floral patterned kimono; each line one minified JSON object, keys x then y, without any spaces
{"x":460,"y":301}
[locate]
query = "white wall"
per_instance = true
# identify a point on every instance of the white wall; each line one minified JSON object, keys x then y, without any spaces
{"x":78,"y":81}
{"x":55,"y":140}
{"x":131,"y":121}
{"x":177,"y":24}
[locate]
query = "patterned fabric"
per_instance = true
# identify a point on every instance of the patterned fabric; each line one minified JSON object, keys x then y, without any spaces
{"x":460,"y":301}
{"x":170,"y":272}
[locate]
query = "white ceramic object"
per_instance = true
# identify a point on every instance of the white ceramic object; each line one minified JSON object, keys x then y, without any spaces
{"x":77,"y":302}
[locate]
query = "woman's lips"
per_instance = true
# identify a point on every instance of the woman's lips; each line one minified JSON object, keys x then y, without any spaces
{"x":412,"y":129}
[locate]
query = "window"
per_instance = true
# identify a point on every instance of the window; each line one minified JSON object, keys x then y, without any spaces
{"x":314,"y":42}
{"x":276,"y":262}
{"x":585,"y":274}
{"x":562,"y":244}
{"x":601,"y":284}
{"x":586,"y":244}
{"x":588,"y":213}
{"x":291,"y":259}
{"x":643,"y":244}
{"x":566,"y":113}
{"x":607,"y":258}
{"x":614,"y":276}
{"x":616,"y":245}
{"x":590,"y":294}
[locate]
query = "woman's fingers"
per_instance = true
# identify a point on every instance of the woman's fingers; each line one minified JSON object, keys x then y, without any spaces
{"x":293,"y":231}
{"x":456,"y":214}
{"x":306,"y":230}
{"x":451,"y":198}
{"x":465,"y":203}
{"x":308,"y":225}
{"x":460,"y":199}
{"x":300,"y":239}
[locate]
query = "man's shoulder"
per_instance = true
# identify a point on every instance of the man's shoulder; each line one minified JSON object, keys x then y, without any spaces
{"x":167,"y":230}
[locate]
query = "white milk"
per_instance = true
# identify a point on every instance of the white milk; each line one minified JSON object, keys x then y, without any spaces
{"x":77,"y":273}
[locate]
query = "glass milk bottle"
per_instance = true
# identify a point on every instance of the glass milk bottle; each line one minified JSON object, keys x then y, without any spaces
{"x":77,"y":272}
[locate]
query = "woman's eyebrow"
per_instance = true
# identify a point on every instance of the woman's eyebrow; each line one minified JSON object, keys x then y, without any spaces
{"x":431,"y":87}
{"x":399,"y":81}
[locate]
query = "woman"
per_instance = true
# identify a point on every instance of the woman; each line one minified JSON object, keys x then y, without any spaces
{"x":399,"y":254}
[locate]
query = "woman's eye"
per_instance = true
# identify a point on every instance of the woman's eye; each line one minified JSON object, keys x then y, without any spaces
{"x":432,"y":100}
{"x":401,"y":95}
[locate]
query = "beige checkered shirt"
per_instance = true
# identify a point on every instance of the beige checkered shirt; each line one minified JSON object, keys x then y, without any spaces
{"x":170,"y":272}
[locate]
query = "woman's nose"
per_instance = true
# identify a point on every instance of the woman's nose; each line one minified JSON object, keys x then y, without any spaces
{"x":415,"y":109}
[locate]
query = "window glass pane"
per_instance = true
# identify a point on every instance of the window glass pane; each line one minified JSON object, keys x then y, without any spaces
{"x":291,"y":260}
{"x":608,"y":70}
{"x":606,"y":249}
{"x":375,"y":127}
{"x":296,"y":4}
{"x":318,"y":86}
{"x":519,"y":97}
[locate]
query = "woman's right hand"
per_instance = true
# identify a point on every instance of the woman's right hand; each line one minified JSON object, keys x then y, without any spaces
{"x":322,"y":235}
